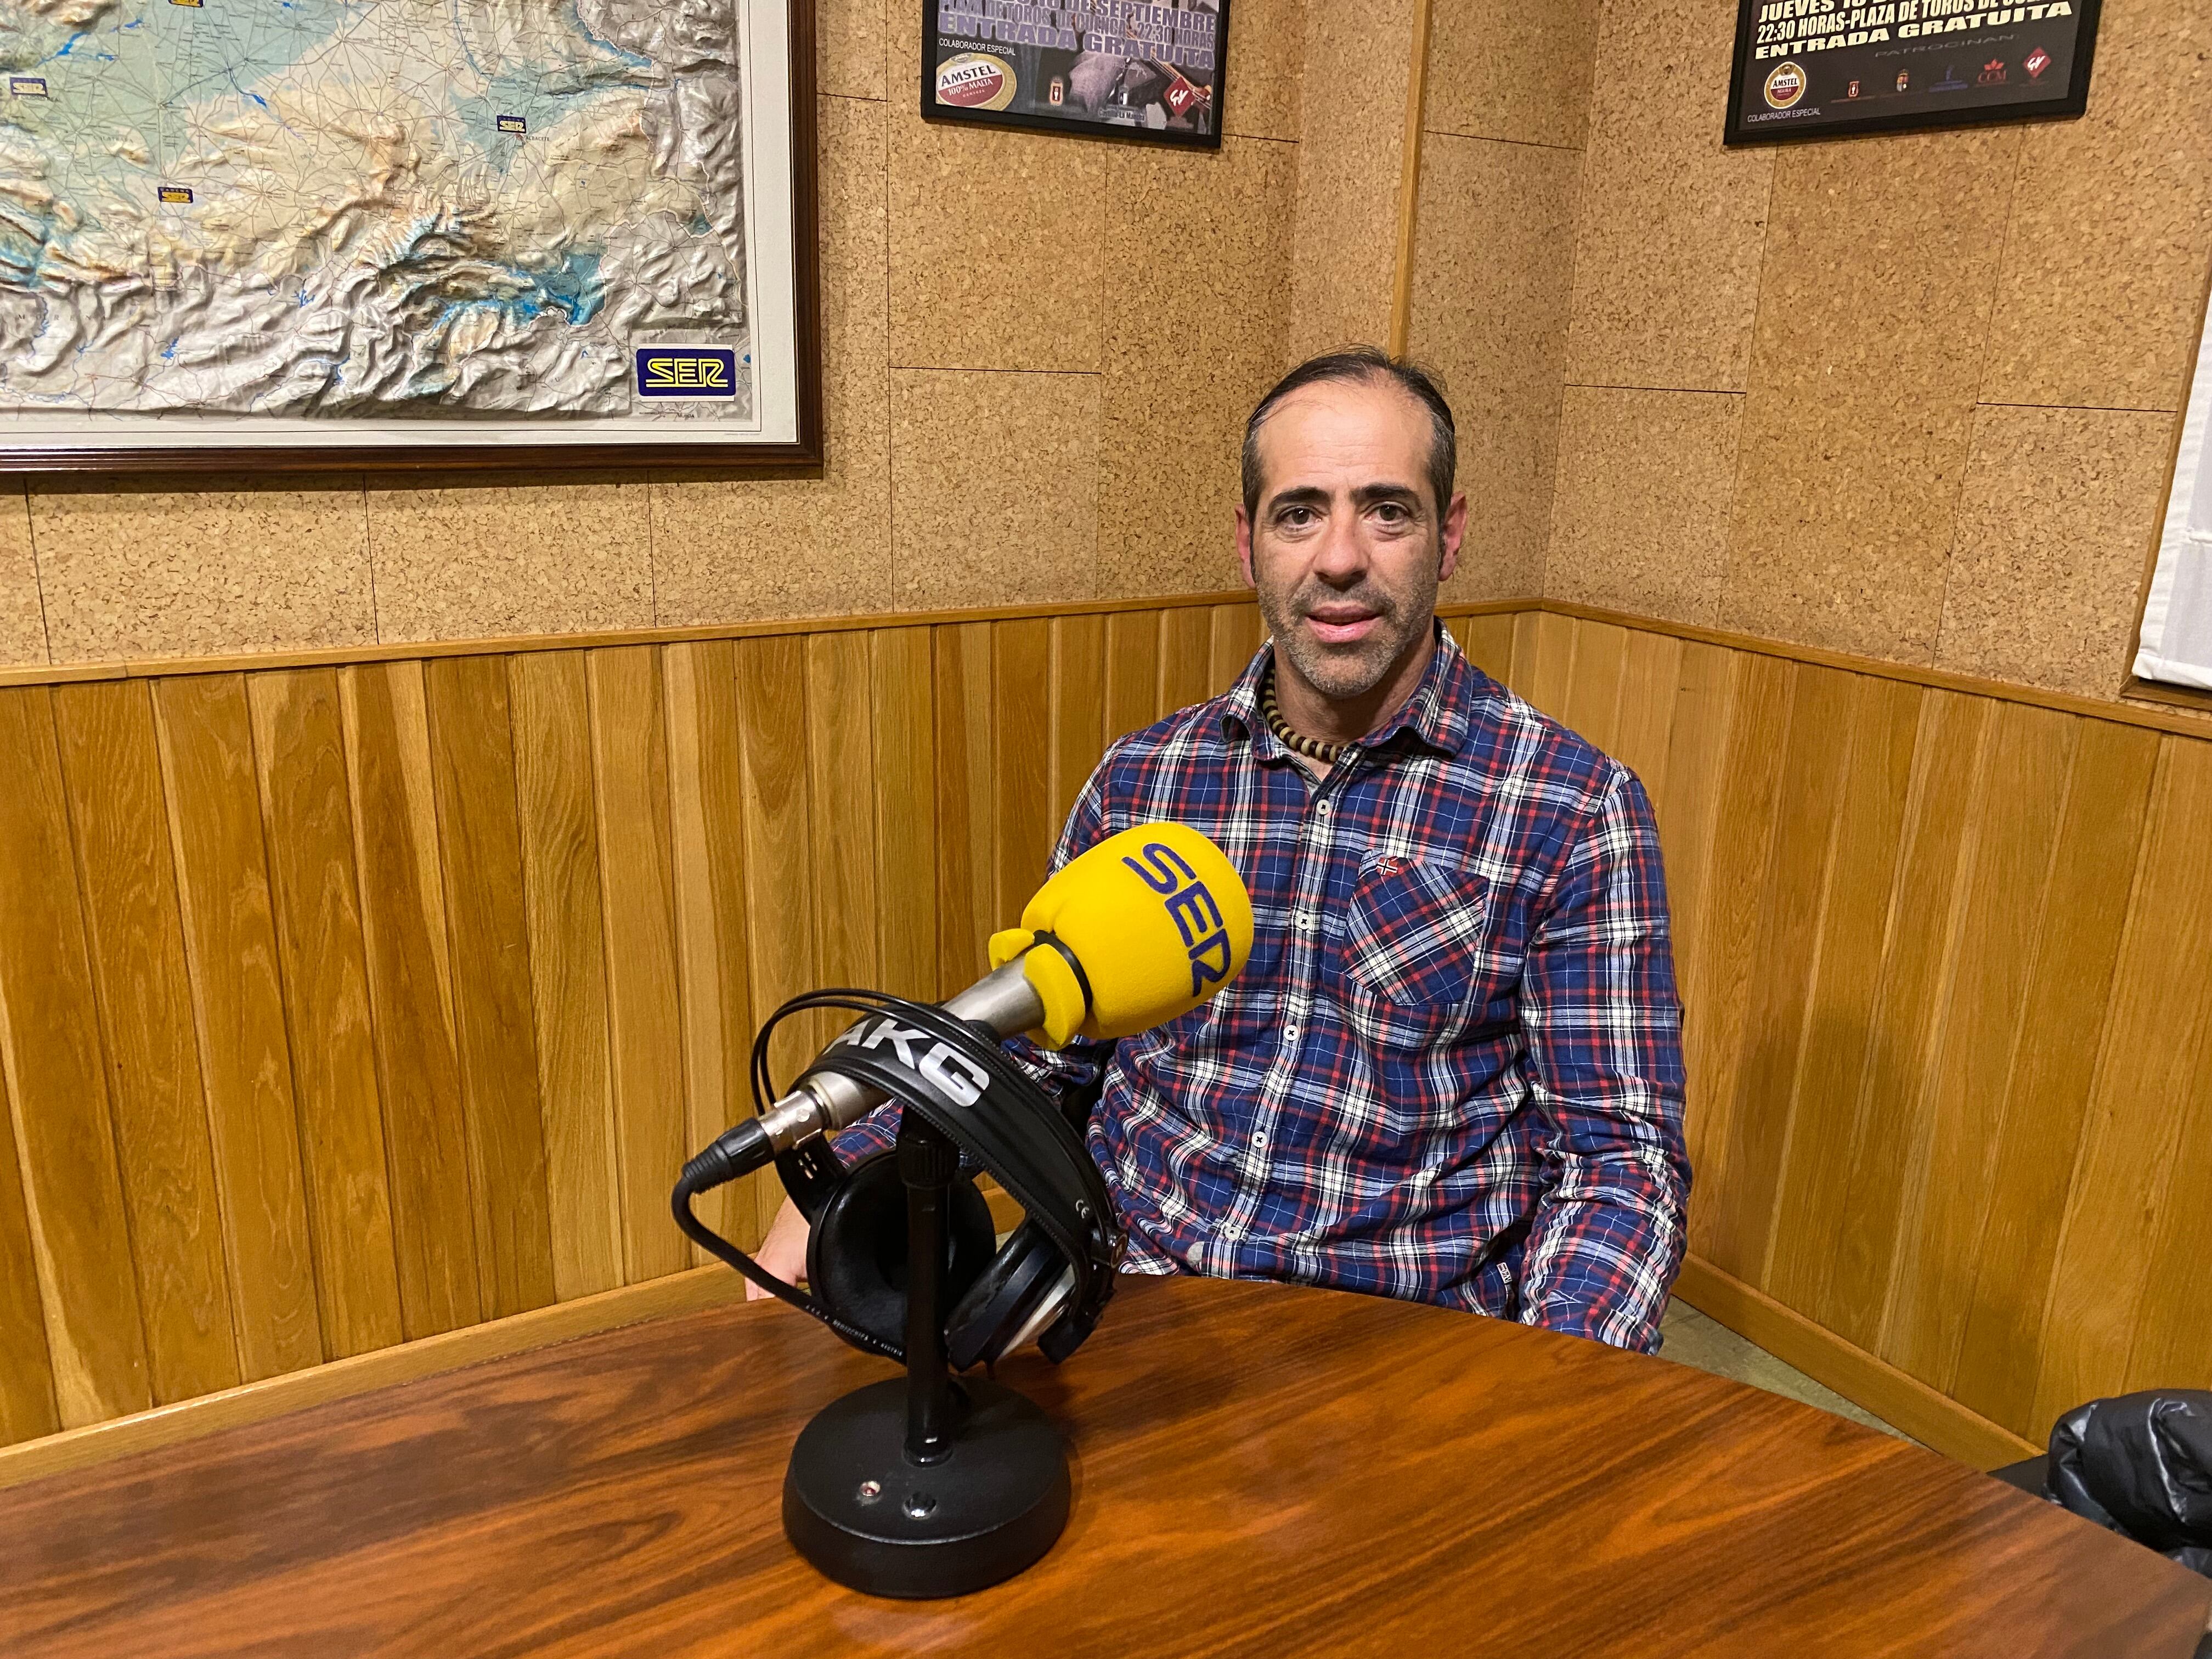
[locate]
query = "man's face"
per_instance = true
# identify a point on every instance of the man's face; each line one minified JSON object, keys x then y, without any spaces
{"x":1346,"y":548}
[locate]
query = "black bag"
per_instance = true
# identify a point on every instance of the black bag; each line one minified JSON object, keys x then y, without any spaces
{"x":2141,"y":1464}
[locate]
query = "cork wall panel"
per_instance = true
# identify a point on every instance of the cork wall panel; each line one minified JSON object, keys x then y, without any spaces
{"x":995,"y":487}
{"x":1856,"y":429}
{"x":1267,"y":57}
{"x":1672,"y":226}
{"x":725,"y":549}
{"x":1491,"y":269}
{"x":482,"y":560}
{"x":852,"y":48}
{"x":1350,"y":149}
{"x":23,"y":618}
{"x":947,"y":248}
{"x":1640,"y":521}
{"x":2110,"y":229}
{"x":2057,"y":508}
{"x":1173,"y":419}
{"x":996,"y":259}
{"x":148,"y":570}
{"x":1499,"y":70}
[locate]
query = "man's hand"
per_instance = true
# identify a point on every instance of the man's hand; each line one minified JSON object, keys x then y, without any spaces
{"x":783,"y":1252}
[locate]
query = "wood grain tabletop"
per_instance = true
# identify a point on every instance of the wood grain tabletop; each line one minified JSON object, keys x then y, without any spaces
{"x":1259,"y":1470}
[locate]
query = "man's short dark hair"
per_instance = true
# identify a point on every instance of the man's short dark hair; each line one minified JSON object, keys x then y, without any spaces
{"x":1367,"y":365}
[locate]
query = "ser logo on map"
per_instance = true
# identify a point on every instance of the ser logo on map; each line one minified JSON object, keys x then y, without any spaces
{"x":687,"y":372}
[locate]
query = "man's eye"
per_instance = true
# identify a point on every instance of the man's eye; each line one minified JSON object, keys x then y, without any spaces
{"x":1296,"y":518}
{"x":1393,"y":512}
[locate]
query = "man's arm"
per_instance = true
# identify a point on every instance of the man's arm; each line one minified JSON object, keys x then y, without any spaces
{"x":1604,"y":1029}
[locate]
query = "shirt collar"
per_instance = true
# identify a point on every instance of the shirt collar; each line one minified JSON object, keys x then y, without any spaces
{"x":1435,"y":716}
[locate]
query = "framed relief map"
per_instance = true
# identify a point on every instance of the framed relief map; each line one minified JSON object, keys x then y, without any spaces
{"x":292,"y":233}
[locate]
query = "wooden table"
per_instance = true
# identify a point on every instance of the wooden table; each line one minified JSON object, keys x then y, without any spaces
{"x":1259,"y":1470}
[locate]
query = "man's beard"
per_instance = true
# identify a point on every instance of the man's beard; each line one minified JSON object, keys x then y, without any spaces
{"x":1346,"y":673}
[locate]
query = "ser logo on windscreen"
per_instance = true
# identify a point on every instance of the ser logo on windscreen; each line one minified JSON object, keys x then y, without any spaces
{"x":687,"y":372}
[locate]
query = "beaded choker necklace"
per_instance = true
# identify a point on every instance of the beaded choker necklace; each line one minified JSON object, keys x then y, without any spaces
{"x":1328,"y":754}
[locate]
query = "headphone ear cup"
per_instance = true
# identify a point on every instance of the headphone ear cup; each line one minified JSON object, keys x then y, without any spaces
{"x":1001,"y":1310}
{"x":856,"y":1252}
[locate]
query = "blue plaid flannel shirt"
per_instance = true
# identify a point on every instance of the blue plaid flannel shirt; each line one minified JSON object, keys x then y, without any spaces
{"x":1452,"y":1069}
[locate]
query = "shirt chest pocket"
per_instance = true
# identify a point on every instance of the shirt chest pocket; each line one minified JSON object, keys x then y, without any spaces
{"x":1414,"y":970}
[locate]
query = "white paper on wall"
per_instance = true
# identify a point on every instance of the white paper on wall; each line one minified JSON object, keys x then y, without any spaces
{"x":2176,"y":646}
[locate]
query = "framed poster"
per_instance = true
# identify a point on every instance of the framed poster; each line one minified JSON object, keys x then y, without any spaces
{"x":282,"y":235}
{"x":1820,"y":69}
{"x":1120,"y":69}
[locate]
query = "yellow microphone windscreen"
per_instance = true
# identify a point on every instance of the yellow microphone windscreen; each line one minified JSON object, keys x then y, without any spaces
{"x":1157,"y":918}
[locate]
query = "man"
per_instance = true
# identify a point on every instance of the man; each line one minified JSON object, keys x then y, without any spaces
{"x":1451,"y":1070}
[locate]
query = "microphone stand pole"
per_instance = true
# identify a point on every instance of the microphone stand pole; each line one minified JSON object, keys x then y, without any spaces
{"x":927,"y":1163}
{"x":923,"y":1486}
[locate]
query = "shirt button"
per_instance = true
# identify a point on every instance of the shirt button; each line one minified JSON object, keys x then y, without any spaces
{"x":1259,"y":1141}
{"x":1305,"y":918}
{"x":1320,"y":809}
{"x":1290,"y":1033}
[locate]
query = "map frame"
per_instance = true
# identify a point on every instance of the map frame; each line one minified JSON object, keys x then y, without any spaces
{"x":371,"y":445}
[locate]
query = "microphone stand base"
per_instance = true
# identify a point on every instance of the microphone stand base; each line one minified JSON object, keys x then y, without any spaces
{"x":866,"y":1516}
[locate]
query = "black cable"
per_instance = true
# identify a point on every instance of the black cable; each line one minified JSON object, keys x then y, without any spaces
{"x":686,"y":1188}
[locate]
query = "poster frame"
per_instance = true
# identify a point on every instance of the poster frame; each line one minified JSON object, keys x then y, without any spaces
{"x":800,"y":455}
{"x":933,"y":111}
{"x":2073,"y":104}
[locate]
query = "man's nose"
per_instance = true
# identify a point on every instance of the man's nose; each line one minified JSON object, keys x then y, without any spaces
{"x":1341,"y":559}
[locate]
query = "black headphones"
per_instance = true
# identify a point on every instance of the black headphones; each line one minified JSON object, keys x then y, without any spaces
{"x":1052,"y":1279}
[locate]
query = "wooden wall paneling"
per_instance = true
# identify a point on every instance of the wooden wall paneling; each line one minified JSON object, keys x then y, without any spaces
{"x":1688,"y":806}
{"x":57,"y":1088}
{"x":1651,"y":675}
{"x":1233,"y":633}
{"x":410,"y":994}
{"x":1721,"y":974}
{"x":2142,"y":1096}
{"x":1544,"y":660}
{"x":706,"y":792}
{"x":1592,"y":696}
{"x":2173,"y":1346}
{"x":2069,"y":998}
{"x":1488,"y":641}
{"x":1078,"y":709}
{"x":480,"y":854}
{"x":28,"y":1407}
{"x":1809,"y":1217}
{"x":307,"y":813}
{"x":772,"y":716}
{"x":111,"y":770}
{"x":1186,"y":659}
{"x":1021,"y":780}
{"x":551,"y":711}
{"x":1739,"y":1221}
{"x":2021,"y":793}
{"x":967,"y":857}
{"x":1132,"y":667}
{"x":1918,"y":944}
{"x":629,"y":768}
{"x":841,"y":791}
{"x":205,"y":735}
{"x":903,"y":716}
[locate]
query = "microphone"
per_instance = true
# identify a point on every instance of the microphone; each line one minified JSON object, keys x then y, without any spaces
{"x":1138,"y":931}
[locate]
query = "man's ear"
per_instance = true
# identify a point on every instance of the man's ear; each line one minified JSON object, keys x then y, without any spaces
{"x":1244,"y":547}
{"x":1454,"y":528}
